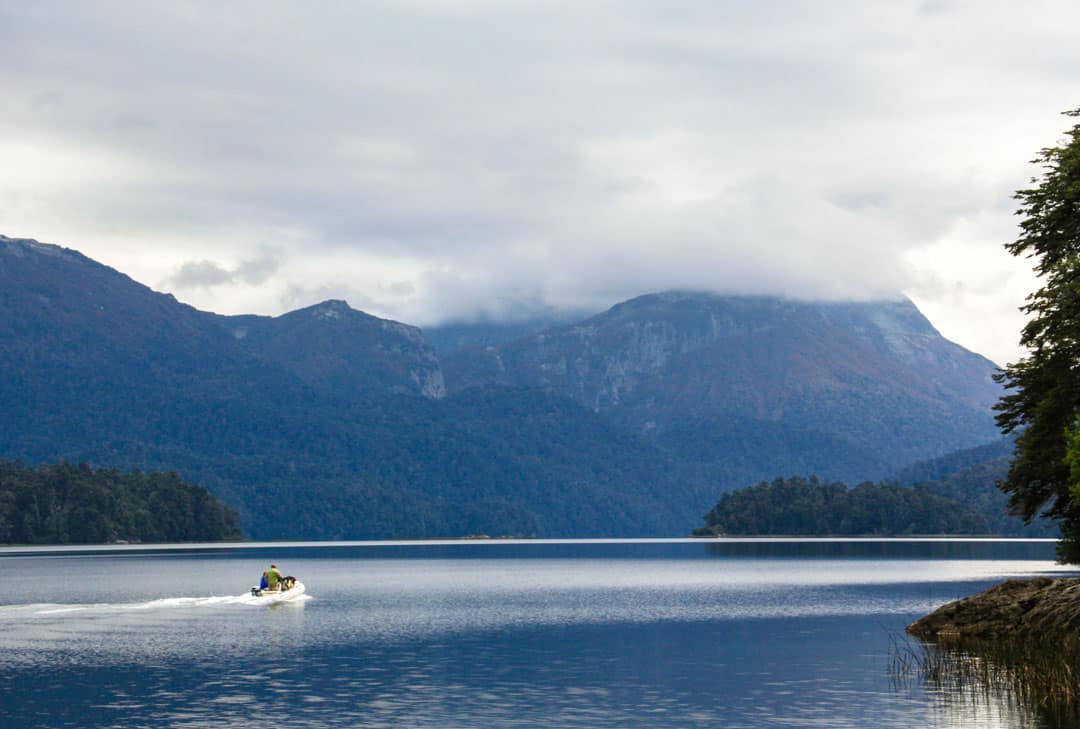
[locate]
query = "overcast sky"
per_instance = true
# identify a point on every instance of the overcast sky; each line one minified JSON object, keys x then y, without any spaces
{"x":435,"y":160}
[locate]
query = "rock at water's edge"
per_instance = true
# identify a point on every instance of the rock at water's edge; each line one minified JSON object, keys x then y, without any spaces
{"x":1042,"y":607}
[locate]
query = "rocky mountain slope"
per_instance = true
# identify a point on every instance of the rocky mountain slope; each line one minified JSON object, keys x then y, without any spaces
{"x":341,"y":351}
{"x":706,"y":370}
{"x":452,"y":337}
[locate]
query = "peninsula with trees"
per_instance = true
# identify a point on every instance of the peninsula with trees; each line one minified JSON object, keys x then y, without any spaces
{"x":75,"y":504}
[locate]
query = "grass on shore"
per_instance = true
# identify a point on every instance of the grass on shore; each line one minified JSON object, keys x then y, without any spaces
{"x":1042,"y":675}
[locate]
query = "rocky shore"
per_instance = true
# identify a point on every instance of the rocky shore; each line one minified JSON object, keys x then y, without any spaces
{"x":1039,"y":607}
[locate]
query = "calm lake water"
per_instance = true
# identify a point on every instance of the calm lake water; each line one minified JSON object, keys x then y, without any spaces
{"x":746,"y":633}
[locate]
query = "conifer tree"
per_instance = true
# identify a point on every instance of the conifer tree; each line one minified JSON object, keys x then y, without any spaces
{"x":1043,"y":396}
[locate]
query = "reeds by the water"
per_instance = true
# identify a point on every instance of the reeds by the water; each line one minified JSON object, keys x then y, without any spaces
{"x":1041,"y":675}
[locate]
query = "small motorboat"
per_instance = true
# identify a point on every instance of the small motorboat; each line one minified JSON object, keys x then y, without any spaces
{"x":288,"y":589}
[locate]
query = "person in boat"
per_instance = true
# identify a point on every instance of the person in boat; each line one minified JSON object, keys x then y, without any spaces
{"x":271,"y":578}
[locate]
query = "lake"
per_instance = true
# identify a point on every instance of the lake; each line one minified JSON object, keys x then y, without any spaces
{"x":637,"y":633}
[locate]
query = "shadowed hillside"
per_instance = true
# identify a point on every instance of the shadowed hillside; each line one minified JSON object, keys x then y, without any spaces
{"x":871,"y":384}
{"x":328,"y":422}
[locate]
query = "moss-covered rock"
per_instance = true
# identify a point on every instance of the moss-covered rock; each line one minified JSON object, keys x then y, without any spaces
{"x":1036,"y":608}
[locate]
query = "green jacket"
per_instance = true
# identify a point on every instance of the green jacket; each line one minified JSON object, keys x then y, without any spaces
{"x":273,"y":576}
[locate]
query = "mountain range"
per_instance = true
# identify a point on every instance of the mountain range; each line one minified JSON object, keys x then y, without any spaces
{"x":327,"y":422}
{"x":695,"y":371}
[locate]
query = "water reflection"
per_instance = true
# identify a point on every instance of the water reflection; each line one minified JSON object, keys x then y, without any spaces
{"x":1029,"y":678}
{"x":984,"y":710}
{"x":922,"y":549}
{"x":659,"y":635}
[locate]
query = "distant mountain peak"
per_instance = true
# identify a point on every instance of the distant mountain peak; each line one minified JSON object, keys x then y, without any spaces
{"x":332,"y":309}
{"x":855,"y":369}
{"x":337,"y":312}
{"x":22,"y":246}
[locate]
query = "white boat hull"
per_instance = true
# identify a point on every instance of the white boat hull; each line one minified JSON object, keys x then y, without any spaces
{"x":269,"y":595}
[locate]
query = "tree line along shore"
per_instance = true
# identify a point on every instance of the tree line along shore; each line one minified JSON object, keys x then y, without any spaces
{"x":66,"y":503}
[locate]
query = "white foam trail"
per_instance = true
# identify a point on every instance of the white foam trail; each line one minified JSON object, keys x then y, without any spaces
{"x":165,"y":603}
{"x":184,"y":602}
{"x":57,"y":611}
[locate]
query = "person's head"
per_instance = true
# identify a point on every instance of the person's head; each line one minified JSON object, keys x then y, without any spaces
{"x":273,"y":566}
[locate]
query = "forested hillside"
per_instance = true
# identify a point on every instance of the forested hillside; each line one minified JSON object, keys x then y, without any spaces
{"x":937,"y":469}
{"x":76,"y":504}
{"x":327,"y":422}
{"x":810,"y":507}
{"x":966,"y":502}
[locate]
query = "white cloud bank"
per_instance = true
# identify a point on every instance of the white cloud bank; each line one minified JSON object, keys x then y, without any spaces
{"x":429,"y":160}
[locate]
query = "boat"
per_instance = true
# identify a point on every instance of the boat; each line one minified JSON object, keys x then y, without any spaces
{"x":288,"y":589}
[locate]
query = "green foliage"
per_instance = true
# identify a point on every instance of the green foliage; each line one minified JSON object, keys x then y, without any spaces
{"x":803,"y":507}
{"x":495,"y":461}
{"x":1045,"y":385}
{"x":979,"y":458}
{"x":976,"y":488}
{"x":733,"y":451}
{"x":76,"y":504}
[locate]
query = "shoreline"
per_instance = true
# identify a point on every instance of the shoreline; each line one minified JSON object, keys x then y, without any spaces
{"x":17,"y":549}
{"x":1030,"y":608}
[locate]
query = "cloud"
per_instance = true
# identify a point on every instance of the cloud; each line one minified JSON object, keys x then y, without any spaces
{"x":257,"y":271}
{"x":208,"y":274}
{"x":935,"y":7}
{"x":437,"y":160}
{"x":195,"y":274}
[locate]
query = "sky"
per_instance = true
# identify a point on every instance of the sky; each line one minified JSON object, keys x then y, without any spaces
{"x":435,"y":160}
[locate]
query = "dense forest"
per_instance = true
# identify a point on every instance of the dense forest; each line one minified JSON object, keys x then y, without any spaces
{"x":76,"y":504}
{"x":964,"y":503}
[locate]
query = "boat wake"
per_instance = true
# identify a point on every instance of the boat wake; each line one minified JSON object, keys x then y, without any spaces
{"x":165,"y":603}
